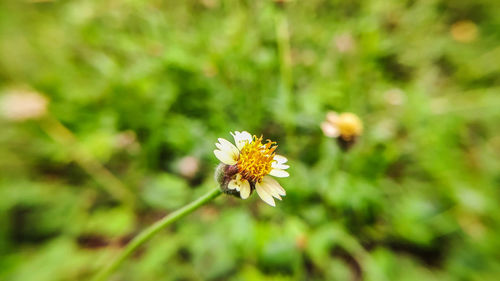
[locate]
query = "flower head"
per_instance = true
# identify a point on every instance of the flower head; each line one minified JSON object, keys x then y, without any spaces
{"x":248,"y":165}
{"x":346,"y":127}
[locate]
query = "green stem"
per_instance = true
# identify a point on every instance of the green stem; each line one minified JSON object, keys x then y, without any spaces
{"x":146,"y":234}
{"x":62,"y":135}
{"x":285,"y":53}
{"x":285,"y":60}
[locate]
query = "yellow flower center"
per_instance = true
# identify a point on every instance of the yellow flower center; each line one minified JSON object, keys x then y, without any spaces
{"x":349,"y":125}
{"x":255,"y":159}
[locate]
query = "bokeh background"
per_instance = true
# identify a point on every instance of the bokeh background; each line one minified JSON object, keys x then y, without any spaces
{"x":136,"y":93}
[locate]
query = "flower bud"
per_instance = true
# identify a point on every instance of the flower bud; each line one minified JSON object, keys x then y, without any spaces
{"x":223,"y":175}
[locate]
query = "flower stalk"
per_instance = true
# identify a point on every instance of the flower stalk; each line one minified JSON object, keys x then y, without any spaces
{"x":149,"y":232}
{"x":107,"y":180}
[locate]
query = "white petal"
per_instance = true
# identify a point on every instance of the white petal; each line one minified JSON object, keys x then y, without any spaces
{"x":279,"y":166}
{"x":279,"y":173}
{"x":270,"y":190}
{"x":218,"y":145}
{"x":248,"y":135}
{"x":266,"y":197}
{"x":228,"y":152}
{"x":225,"y":157}
{"x":332,"y":117}
{"x":226,"y":145}
{"x":280,"y":159}
{"x":244,"y":189}
{"x":330,"y":130}
{"x":274,"y":184}
{"x":241,"y":185}
{"x":240,"y":139}
{"x":233,"y":184}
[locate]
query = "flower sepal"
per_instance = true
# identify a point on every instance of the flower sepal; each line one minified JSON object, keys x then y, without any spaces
{"x":223,"y":175}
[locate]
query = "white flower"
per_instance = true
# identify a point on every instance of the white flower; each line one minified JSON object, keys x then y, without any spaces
{"x":255,"y":162}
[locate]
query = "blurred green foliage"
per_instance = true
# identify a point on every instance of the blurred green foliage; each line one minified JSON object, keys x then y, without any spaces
{"x":143,"y":84}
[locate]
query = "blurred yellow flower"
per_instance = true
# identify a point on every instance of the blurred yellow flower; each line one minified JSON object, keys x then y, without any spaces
{"x":249,"y":165}
{"x":346,"y":125}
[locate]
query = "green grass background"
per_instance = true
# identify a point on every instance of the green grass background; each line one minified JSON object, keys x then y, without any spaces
{"x":417,"y":198}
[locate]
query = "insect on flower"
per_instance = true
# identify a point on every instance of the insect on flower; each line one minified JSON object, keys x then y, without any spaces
{"x":249,"y":165}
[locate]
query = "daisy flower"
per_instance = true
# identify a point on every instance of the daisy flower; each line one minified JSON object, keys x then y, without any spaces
{"x":249,"y":164}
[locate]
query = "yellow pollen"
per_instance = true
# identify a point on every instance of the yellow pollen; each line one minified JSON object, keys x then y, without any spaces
{"x":255,"y":159}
